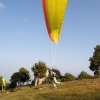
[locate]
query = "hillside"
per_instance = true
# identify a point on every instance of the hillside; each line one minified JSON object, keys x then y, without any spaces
{"x":85,"y":89}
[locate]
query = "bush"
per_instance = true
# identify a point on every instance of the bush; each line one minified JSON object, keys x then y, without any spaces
{"x":83,"y":74}
{"x":63,"y":79}
{"x":12,"y":85}
{"x":48,"y":80}
{"x":69,"y":77}
{"x":7,"y":85}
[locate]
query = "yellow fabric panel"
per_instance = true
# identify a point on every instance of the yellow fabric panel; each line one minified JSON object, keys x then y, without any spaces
{"x":55,"y":14}
{"x":4,"y":81}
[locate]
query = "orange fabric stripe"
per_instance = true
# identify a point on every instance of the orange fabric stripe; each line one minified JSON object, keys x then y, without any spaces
{"x":46,"y":19}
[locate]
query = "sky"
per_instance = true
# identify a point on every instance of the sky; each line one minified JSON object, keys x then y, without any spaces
{"x":24,"y":39}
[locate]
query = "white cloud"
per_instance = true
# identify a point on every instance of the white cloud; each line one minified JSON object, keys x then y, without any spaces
{"x":25,"y":20}
{"x":2,"y":6}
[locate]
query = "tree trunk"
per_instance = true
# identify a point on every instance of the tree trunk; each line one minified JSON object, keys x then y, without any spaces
{"x":36,"y":80}
{"x":19,"y":84}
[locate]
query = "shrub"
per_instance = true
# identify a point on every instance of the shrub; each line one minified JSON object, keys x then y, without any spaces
{"x":83,"y":74}
{"x":12,"y":85}
{"x":63,"y":79}
{"x":69,"y":77}
{"x":7,"y":85}
{"x":48,"y":80}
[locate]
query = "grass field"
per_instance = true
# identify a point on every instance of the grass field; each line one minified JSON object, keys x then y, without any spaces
{"x":85,"y":89}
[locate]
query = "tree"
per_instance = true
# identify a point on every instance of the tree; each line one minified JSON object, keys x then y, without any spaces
{"x":57,"y":72}
{"x":25,"y":75}
{"x":39,"y":69}
{"x":95,"y":60}
{"x":0,"y":81}
{"x":15,"y":77}
{"x":22,"y":76}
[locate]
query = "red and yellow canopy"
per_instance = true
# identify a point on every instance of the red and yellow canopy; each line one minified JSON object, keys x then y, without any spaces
{"x":54,"y":11}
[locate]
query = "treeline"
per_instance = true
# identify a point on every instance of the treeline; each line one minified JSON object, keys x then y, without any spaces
{"x":23,"y":75}
{"x":39,"y":69}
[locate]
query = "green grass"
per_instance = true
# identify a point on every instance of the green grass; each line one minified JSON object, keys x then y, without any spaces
{"x":87,"y":89}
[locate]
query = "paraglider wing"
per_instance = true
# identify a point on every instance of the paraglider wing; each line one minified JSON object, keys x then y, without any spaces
{"x":54,"y":11}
